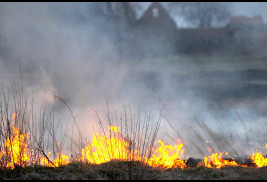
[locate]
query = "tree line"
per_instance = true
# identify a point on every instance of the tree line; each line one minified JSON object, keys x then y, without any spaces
{"x":196,"y":14}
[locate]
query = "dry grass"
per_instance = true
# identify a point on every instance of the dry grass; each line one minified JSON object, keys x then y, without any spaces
{"x":38,"y":125}
{"x":82,"y":171}
{"x":44,"y":132}
{"x":139,"y":132}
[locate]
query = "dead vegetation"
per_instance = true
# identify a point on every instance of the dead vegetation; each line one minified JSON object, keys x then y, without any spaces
{"x":41,"y":131}
{"x":117,"y":170}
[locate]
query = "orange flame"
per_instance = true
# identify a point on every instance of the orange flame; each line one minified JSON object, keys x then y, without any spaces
{"x":259,"y":159}
{"x":114,"y":147}
{"x":103,"y":149}
{"x":60,"y":160}
{"x":16,"y":149}
{"x":113,"y":128}
{"x":168,"y":156}
{"x":217,"y":161}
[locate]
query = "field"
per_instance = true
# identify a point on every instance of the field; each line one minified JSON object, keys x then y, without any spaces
{"x":133,"y":91}
{"x":131,"y":147}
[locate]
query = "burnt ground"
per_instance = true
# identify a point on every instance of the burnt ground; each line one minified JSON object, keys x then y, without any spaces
{"x":129,"y":170}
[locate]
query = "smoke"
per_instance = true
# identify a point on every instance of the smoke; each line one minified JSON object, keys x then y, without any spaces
{"x":249,"y":8}
{"x":68,"y":49}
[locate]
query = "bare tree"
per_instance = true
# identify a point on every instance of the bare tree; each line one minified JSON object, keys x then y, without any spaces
{"x":202,"y":14}
{"x":120,"y":11}
{"x":122,"y":17}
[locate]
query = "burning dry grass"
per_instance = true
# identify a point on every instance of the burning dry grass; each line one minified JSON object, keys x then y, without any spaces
{"x":126,"y":151}
{"x":23,"y":135}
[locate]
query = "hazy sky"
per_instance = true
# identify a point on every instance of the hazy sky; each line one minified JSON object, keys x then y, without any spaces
{"x":250,"y":8}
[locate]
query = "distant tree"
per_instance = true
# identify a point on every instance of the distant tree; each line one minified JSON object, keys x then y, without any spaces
{"x":120,"y":11}
{"x":122,"y":17}
{"x":202,"y":14}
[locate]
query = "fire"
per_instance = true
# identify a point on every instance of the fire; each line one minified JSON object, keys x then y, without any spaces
{"x":60,"y":160}
{"x":259,"y":159}
{"x":168,"y":156}
{"x":103,"y":149}
{"x":113,"y":146}
{"x":217,"y":161}
{"x":16,"y":149}
{"x":113,"y":128}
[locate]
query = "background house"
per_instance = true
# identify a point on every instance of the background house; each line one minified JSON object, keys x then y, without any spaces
{"x":155,"y":33}
{"x":155,"y":30}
